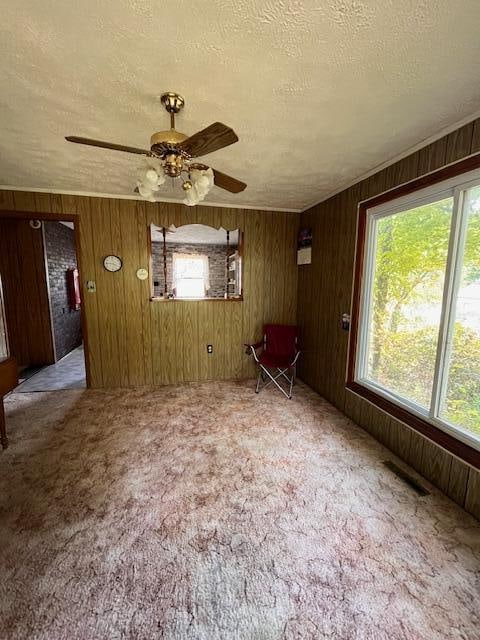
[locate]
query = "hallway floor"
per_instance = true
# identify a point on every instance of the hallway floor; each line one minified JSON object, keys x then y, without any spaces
{"x":206,"y":512}
{"x":67,"y":373}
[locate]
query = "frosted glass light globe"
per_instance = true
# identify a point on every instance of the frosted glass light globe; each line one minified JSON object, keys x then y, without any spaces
{"x":191,"y":197}
{"x":145,"y":191}
{"x":203,"y":182}
{"x":151,"y":177}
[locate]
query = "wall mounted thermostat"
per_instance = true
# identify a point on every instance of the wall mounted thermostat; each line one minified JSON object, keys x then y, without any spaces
{"x":142,"y":274}
{"x":112,"y":263}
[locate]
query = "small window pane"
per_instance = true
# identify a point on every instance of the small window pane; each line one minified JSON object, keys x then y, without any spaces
{"x":461,"y":405}
{"x":190,"y":276}
{"x":189,"y":268}
{"x":190,"y":288}
{"x":407,"y":287}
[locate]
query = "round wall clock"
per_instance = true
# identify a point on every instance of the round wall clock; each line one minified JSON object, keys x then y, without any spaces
{"x":112,"y":263}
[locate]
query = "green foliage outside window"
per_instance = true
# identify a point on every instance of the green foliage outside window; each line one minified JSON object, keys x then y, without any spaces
{"x":410,"y":263}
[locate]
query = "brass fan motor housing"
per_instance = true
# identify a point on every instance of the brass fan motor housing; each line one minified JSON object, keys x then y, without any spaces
{"x":167,"y":138}
{"x":165,"y":142}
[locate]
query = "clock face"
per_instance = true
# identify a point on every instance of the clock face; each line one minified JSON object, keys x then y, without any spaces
{"x":142,"y":274}
{"x":112,"y":263}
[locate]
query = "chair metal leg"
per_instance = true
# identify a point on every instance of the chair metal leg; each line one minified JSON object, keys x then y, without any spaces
{"x":273,"y":379}
{"x":264,"y":373}
{"x":258,"y":381}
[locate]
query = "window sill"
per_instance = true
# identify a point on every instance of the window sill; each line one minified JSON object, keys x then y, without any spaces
{"x":237,"y":299}
{"x":450,"y":443}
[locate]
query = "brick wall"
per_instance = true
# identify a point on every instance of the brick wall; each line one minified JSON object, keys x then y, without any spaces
{"x":60,"y":252}
{"x":216,"y":261}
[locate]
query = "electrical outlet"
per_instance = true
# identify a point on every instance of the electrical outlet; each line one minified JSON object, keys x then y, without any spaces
{"x":209,"y":348}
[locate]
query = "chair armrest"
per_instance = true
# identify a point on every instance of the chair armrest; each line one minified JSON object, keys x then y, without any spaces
{"x":251,"y":349}
{"x":257,"y":345}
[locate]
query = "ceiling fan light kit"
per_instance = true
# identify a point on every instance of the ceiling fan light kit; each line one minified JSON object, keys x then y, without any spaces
{"x":171,"y":156}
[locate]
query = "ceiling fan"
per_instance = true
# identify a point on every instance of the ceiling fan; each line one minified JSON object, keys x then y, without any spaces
{"x":172,"y":155}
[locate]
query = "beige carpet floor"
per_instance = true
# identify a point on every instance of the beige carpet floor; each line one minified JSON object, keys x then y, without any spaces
{"x":207,"y":512}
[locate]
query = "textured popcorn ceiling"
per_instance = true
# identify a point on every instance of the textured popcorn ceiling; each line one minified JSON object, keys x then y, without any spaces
{"x":318,"y":92}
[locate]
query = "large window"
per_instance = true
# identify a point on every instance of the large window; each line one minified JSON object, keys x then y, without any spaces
{"x":418,"y":335}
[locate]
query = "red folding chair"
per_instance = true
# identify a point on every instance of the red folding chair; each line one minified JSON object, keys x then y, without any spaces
{"x":276,"y":354}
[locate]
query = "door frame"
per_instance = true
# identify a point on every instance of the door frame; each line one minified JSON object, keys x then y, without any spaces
{"x":76,"y":219}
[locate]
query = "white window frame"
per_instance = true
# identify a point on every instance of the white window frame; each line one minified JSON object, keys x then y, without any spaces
{"x":452,"y":187}
{"x":206,"y":272}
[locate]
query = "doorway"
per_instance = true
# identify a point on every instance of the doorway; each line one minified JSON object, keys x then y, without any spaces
{"x":42,"y":305}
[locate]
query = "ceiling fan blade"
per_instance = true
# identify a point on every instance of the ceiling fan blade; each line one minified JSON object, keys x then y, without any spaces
{"x":107,"y":145}
{"x":214,"y":137}
{"x":227,"y":182}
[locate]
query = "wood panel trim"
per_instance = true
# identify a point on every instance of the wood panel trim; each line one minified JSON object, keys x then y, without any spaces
{"x":49,"y":295}
{"x":449,"y":171}
{"x":437,"y":435}
{"x":442,"y":438}
{"x":9,"y":375}
{"x":38,"y":215}
{"x":83,"y":320}
{"x":157,"y":299}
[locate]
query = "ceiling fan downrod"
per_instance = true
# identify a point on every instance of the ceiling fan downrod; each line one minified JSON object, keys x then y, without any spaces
{"x":173,"y":103}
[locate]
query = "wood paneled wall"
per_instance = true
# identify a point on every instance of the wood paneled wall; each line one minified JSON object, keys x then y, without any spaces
{"x":133,"y":341}
{"x":27,"y":309}
{"x":325,"y":291}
